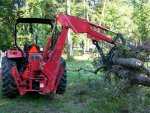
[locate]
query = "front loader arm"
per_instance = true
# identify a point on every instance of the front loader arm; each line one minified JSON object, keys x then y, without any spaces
{"x":79,"y":25}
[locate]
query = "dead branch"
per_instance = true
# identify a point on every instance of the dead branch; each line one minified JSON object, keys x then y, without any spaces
{"x":128,"y":66}
{"x":88,"y":70}
{"x":141,"y":48}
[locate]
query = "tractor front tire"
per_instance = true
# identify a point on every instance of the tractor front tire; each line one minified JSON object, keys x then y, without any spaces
{"x":9,"y":88}
{"x":63,"y":81}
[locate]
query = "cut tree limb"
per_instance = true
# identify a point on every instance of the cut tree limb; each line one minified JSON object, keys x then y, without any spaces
{"x":128,"y":62}
{"x":129,"y":66}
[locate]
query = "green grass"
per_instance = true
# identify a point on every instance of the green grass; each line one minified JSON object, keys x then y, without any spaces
{"x":86,"y":93}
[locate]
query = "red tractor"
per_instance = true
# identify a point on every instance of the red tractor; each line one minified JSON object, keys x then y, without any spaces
{"x":31,"y":70}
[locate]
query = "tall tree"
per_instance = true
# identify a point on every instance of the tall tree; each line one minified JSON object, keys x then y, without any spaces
{"x":69,"y":38}
{"x":141,"y":18}
{"x":8,"y":15}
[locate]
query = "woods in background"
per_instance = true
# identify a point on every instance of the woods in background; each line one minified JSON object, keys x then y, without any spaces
{"x":129,"y":17}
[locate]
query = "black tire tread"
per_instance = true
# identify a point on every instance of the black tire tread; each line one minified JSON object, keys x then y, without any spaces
{"x":63,"y":81}
{"x":9,"y":88}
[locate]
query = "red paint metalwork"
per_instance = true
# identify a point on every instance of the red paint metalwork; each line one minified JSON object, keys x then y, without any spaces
{"x":79,"y":25}
{"x":46,"y":49}
{"x":51,"y":67}
{"x":14,"y":54}
{"x":47,"y":70}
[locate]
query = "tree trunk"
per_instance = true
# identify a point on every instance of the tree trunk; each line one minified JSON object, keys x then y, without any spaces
{"x":69,"y":38}
{"x":86,"y":40}
{"x":103,"y":10}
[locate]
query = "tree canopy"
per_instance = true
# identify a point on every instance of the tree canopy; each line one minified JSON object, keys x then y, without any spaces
{"x":129,"y":17}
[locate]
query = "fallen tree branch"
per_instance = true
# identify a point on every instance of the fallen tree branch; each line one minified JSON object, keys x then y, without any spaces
{"x":129,"y":67}
{"x":132,"y":80}
{"x":141,"y":48}
{"x":128,"y":62}
{"x":88,"y":70}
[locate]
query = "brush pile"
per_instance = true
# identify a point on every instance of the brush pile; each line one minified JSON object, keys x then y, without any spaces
{"x":130,"y":65}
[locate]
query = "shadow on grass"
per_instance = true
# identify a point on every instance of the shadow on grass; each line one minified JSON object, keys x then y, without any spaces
{"x":35,"y":96}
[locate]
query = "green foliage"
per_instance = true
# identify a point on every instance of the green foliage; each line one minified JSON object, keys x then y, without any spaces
{"x":42,"y":9}
{"x":78,"y":52}
{"x":141,"y":18}
{"x":129,"y":17}
{"x":7,"y":17}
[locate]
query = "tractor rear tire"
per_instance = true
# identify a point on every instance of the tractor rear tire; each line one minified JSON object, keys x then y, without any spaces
{"x":9,"y":88}
{"x":63,"y":81}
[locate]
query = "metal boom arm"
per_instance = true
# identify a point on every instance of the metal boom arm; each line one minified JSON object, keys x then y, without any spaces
{"x":78,"y":25}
